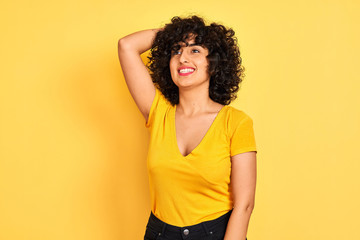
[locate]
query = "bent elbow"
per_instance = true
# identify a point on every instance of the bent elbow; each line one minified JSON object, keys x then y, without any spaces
{"x":121,"y":44}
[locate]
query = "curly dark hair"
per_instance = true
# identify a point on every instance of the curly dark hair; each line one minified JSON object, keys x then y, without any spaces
{"x":225,"y":69}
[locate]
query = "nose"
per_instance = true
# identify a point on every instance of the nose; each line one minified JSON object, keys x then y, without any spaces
{"x":184,"y":57}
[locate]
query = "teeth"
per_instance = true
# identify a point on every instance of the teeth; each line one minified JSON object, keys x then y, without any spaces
{"x":186,"y":70}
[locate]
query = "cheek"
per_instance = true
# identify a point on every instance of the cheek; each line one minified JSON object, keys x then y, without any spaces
{"x":172,"y":65}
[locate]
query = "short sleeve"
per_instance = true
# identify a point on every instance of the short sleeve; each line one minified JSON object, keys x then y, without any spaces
{"x":158,"y":105}
{"x":152,"y":109}
{"x":242,"y":138}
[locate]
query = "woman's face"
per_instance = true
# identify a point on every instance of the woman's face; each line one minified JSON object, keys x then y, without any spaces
{"x":189,"y":65}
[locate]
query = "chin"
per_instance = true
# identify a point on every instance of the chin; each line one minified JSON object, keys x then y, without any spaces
{"x":184,"y":85}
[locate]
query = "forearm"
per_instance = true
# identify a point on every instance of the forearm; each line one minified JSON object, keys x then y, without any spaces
{"x":139,"y":42}
{"x":238,"y":224}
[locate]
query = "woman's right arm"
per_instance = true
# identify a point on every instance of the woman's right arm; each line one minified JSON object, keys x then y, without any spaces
{"x":135,"y":72}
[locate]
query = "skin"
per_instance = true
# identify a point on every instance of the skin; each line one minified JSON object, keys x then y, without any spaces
{"x":194,"y":114}
{"x":195,"y":111}
{"x":243,"y":183}
{"x":193,"y":56}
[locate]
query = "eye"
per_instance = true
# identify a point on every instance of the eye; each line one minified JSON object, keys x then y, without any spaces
{"x":175,"y":52}
{"x":195,"y":51}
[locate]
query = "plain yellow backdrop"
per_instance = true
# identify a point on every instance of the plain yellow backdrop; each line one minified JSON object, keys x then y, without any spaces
{"x":73,"y":144}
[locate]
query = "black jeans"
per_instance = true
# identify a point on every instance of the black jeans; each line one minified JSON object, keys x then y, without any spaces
{"x":208,"y":230}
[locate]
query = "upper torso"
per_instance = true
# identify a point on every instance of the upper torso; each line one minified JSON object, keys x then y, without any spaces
{"x":190,"y":180}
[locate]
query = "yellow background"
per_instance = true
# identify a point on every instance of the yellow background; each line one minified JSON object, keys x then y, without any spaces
{"x":73,"y":144}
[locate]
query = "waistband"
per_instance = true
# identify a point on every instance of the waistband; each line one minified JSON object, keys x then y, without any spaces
{"x":161,"y":226}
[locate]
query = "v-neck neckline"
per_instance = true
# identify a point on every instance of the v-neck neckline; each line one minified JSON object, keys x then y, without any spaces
{"x":176,"y":146}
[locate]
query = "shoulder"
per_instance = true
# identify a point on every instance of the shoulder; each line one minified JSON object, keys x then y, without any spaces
{"x":159,"y":107}
{"x":236,"y":116}
{"x":237,"y":121}
{"x":159,"y":101}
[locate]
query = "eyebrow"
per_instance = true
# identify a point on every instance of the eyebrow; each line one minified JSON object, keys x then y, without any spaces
{"x":187,"y":45}
{"x":193,"y":44}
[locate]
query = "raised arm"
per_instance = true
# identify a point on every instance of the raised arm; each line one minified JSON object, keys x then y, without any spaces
{"x":135,"y":72}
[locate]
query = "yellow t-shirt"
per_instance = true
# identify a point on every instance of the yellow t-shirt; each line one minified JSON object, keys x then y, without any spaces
{"x":187,"y":190}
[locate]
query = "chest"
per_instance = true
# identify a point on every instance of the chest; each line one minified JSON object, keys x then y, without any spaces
{"x":191,"y":131}
{"x":188,"y":150}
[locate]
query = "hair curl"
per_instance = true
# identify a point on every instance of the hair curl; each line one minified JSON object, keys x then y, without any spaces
{"x":225,"y":69}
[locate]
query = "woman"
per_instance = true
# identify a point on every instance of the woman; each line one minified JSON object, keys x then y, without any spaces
{"x":202,"y":153}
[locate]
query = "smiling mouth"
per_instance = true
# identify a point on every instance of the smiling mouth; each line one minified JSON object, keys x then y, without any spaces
{"x":186,"y":71}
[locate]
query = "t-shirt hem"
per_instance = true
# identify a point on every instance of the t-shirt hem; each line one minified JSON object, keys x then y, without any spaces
{"x":242,"y":150}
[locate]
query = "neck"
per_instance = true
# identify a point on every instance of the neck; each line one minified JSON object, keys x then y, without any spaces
{"x":195,"y":101}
